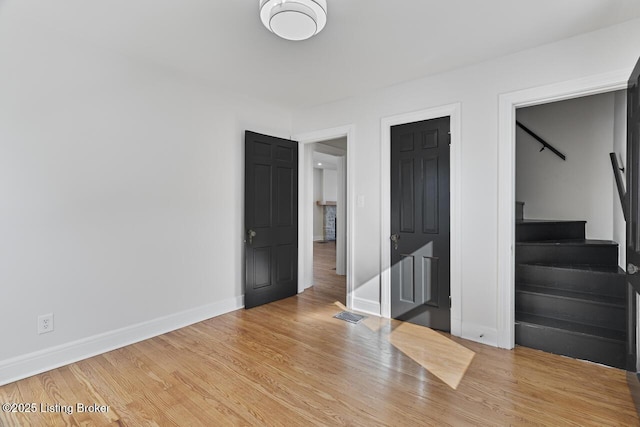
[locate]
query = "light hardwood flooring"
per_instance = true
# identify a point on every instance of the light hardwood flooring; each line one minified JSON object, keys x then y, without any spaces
{"x":291,"y":363}
{"x":327,"y":285}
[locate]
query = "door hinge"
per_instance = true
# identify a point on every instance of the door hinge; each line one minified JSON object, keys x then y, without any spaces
{"x":449,"y":301}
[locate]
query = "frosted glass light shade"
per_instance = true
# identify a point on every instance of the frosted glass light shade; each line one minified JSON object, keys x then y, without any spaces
{"x":294,"y":19}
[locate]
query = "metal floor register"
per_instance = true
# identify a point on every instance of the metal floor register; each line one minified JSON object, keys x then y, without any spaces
{"x":350,"y":317}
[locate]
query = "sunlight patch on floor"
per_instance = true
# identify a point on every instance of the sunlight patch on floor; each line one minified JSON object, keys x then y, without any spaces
{"x":375,"y":323}
{"x":341,"y":306}
{"x":438,"y":354}
{"x":441,"y":356}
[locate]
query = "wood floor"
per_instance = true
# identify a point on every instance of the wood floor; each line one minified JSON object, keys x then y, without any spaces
{"x":292,"y":364}
{"x":328,"y":286}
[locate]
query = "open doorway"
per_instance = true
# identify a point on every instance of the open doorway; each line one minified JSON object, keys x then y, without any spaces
{"x":335,"y":142}
{"x":570,"y":292}
{"x":329,"y":219}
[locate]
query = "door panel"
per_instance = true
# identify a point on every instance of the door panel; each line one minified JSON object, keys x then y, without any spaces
{"x":431,"y":291}
{"x":261,"y":195}
{"x":430,"y":199}
{"x":407,"y":281}
{"x":633,"y":213}
{"x":261,"y":267}
{"x":284,"y":196}
{"x":420,"y":265}
{"x":430,"y":139}
{"x":407,"y":200}
{"x":271,"y":216}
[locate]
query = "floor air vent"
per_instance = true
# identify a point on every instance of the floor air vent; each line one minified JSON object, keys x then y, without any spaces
{"x":349,"y":317}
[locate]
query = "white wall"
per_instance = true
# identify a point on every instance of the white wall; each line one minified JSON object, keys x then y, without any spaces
{"x":116,"y":211}
{"x":329,"y":185}
{"x":620,"y":148}
{"x":477,"y":89}
{"x":580,"y":188}
{"x":318,"y":219}
{"x":325,"y":189}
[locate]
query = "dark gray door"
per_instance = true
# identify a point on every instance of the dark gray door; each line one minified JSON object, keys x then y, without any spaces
{"x":420,"y":265}
{"x":633,"y":214}
{"x":271,"y":219}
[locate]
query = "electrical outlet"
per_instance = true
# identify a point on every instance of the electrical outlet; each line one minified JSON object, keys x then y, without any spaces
{"x":45,"y":323}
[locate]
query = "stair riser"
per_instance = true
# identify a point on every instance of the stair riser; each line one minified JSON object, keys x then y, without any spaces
{"x":586,"y":312}
{"x":573,"y":280}
{"x":531,"y":232}
{"x":567,"y":254}
{"x":579,"y":346}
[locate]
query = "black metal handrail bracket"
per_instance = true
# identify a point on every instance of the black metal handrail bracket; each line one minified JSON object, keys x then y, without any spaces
{"x":544,"y":143}
{"x":617,"y":173}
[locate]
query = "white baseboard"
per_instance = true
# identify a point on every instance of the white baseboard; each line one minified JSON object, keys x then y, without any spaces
{"x":366,"y":306}
{"x":20,"y":367}
{"x":479,"y":333}
{"x":456,"y":326}
{"x":316,"y":238}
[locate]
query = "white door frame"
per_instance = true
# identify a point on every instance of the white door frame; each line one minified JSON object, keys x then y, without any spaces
{"x":305,"y":204}
{"x":508,"y":103}
{"x":453,"y":111}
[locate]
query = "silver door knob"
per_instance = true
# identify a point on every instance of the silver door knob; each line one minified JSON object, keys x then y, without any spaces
{"x":394,"y":238}
{"x":251,"y":235}
{"x":632,"y":269}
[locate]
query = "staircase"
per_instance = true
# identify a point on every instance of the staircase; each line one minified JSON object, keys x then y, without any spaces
{"x":570,"y":292}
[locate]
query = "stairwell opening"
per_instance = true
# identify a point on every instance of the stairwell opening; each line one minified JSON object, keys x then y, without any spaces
{"x":570,"y":292}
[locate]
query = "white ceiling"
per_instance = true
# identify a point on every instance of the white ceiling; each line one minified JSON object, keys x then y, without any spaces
{"x":328,"y":152}
{"x":324,"y":161}
{"x":367,"y":44}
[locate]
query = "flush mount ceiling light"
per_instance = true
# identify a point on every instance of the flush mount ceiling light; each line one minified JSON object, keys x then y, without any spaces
{"x":294,"y":19}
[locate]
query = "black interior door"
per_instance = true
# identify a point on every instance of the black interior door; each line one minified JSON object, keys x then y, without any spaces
{"x":271,"y":219}
{"x":633,"y":216}
{"x":420,"y":263}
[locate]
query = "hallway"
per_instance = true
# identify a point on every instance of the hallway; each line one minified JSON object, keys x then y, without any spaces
{"x":327,"y":284}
